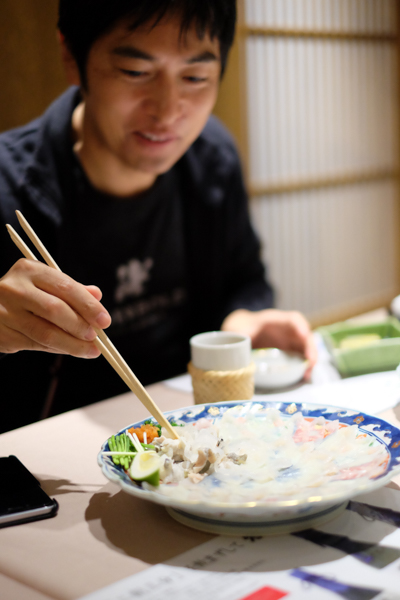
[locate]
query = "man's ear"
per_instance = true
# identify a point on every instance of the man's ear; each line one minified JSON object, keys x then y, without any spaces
{"x":69,"y":62}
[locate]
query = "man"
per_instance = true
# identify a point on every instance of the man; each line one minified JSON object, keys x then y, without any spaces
{"x":133,"y":187}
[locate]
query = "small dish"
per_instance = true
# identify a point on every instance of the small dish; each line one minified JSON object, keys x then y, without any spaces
{"x":270,"y":515}
{"x":277,"y":369}
{"x":360,"y":349}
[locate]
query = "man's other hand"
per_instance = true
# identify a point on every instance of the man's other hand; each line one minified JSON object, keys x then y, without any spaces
{"x":271,"y":328}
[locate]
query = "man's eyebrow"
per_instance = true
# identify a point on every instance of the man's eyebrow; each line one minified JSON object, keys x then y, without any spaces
{"x":132,"y":52}
{"x":206,"y":56}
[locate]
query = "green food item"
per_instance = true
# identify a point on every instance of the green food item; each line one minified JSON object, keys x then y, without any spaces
{"x":121,"y":443}
{"x":148,"y":446}
{"x":146,"y":467}
{"x":159,"y":427}
{"x":112,"y":444}
{"x":154,"y":424}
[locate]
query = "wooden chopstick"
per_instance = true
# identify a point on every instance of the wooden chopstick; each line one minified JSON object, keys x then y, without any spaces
{"x":102,"y":342}
{"x":19,"y":242}
{"x":36,"y":241}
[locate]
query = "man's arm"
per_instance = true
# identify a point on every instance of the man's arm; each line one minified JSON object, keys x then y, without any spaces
{"x":245,"y":278}
{"x":250,"y":298}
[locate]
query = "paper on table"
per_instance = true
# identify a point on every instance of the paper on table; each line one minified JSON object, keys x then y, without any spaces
{"x":234,"y":568}
{"x":164,"y":581}
{"x":280,"y":554}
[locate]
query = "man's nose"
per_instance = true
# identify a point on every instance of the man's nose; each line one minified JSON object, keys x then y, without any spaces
{"x":166,"y":101}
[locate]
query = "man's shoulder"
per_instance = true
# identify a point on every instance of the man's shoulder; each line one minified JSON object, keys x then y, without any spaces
{"x":19,"y":146}
{"x":32,"y":159}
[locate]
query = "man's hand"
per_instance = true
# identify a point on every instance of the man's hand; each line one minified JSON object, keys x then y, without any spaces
{"x":43,"y":309}
{"x":287,"y":330}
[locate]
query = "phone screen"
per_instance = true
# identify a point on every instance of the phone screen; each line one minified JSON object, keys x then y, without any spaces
{"x":21,"y":498}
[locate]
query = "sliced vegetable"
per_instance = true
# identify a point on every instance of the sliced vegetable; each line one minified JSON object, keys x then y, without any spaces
{"x":121,"y":443}
{"x":146,"y":467}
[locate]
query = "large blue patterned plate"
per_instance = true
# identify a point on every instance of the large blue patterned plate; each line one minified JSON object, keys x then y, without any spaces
{"x":270,"y":515}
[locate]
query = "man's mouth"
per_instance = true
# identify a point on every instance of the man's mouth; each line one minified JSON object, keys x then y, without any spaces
{"x":157,"y":138}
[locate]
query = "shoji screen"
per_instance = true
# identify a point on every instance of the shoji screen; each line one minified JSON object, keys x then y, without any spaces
{"x":322,"y":119}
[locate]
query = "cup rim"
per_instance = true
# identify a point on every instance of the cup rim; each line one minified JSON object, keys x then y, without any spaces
{"x":196,"y":340}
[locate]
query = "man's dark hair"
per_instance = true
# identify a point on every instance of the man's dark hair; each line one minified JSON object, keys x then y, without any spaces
{"x":82,"y":22}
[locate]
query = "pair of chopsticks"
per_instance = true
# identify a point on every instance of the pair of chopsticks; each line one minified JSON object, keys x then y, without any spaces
{"x":102,"y":342}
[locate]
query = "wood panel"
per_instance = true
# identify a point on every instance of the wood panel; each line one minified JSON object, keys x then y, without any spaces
{"x":231,"y":106}
{"x":31,"y":73}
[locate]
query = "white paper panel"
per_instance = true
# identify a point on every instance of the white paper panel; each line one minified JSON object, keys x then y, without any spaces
{"x":320,"y":108}
{"x":323,"y":108}
{"x":327,"y":247}
{"x":342,"y":15}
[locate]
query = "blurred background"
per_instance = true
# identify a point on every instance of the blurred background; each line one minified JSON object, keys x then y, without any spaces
{"x":312,"y":97}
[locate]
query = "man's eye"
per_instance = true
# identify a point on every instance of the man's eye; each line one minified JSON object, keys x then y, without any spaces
{"x":193,"y":79}
{"x":132,"y":73}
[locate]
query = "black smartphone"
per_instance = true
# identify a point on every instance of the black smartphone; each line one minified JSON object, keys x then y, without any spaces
{"x":21,"y":497}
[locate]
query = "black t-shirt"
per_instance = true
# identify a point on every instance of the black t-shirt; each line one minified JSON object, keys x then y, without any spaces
{"x":223,"y":270}
{"x":133,"y":250}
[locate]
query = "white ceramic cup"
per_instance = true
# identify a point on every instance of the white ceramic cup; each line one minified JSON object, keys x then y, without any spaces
{"x":220,"y":351}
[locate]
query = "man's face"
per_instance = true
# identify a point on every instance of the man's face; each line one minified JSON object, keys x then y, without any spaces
{"x":149,"y":94}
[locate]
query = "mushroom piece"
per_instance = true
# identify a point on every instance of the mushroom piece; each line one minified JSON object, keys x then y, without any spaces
{"x":166,"y":468}
{"x":204,"y":460}
{"x":238,"y":459}
{"x":201,"y":461}
{"x":211,"y":456}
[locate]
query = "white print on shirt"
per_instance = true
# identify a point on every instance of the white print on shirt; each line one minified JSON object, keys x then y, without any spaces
{"x":141,"y":310}
{"x":131,"y":278}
